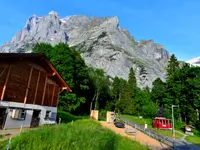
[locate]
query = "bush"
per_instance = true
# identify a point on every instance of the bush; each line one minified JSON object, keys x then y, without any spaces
{"x":102,"y":115}
{"x":197,"y":125}
{"x":179,"y":125}
{"x":150,"y":110}
{"x":66,"y":117}
{"x":196,"y":132}
{"x":110,"y":106}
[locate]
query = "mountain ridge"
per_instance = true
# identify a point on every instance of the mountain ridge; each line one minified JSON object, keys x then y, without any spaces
{"x":101,"y":42}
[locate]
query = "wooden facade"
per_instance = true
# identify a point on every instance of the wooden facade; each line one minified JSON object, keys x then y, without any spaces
{"x":29,"y":79}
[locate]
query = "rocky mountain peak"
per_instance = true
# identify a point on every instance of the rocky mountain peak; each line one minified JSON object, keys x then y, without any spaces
{"x":113,"y":20}
{"x":53,"y":13}
{"x":101,"y":41}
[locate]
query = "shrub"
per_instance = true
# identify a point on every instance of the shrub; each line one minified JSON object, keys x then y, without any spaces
{"x":179,"y":125}
{"x":66,"y":117}
{"x":102,"y":115}
{"x":150,"y":110}
{"x":196,"y":132}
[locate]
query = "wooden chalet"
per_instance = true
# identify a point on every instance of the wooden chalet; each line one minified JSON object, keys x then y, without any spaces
{"x":29,"y":90}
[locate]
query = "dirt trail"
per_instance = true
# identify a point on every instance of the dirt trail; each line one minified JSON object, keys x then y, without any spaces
{"x":139,"y":136}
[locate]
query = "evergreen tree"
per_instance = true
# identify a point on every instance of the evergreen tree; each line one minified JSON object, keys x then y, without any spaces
{"x":173,"y":65}
{"x":118,"y":87}
{"x":132,"y":81}
{"x":126,"y":103}
{"x":158,"y":91}
{"x":142,"y":98}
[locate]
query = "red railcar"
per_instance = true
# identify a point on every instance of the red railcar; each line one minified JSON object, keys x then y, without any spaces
{"x":162,"y":123}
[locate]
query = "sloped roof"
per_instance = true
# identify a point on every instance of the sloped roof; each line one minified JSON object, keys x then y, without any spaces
{"x":38,"y":58}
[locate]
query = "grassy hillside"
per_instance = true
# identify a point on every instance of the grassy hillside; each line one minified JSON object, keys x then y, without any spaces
{"x":82,"y":134}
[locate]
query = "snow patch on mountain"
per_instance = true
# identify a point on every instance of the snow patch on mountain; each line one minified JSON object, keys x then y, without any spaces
{"x":194,"y":61}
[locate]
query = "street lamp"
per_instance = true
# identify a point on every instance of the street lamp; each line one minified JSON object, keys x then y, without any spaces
{"x":173,"y":133}
{"x":173,"y":106}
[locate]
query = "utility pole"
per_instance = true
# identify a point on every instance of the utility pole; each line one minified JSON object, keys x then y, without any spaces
{"x":173,"y":122}
{"x":173,"y":133}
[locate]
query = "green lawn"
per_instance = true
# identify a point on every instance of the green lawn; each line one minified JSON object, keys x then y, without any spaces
{"x":193,"y":139}
{"x":168,"y":133}
{"x":82,"y":134}
{"x":139,"y":121}
{"x":148,"y":121}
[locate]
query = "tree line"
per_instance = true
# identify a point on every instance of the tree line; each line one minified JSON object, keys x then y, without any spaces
{"x":93,"y":89}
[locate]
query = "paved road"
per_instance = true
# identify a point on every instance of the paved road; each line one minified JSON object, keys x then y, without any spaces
{"x":184,"y":145}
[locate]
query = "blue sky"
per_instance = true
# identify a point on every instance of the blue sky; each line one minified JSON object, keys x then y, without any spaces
{"x":175,"y":24}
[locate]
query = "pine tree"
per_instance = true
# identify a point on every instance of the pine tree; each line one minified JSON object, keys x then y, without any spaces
{"x":173,"y":65}
{"x":132,"y":83}
{"x":158,"y":91}
{"x":132,"y":79}
{"x":126,"y":103}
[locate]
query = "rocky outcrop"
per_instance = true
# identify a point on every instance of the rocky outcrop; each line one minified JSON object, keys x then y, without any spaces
{"x":101,"y":41}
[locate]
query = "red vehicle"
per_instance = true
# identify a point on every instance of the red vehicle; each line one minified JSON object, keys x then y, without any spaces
{"x":161,"y":123}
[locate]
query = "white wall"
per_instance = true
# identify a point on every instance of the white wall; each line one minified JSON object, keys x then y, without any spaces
{"x":43,"y":113}
{"x":13,"y":123}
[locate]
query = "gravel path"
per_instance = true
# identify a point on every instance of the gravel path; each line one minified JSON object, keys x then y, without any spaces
{"x":138,"y":136}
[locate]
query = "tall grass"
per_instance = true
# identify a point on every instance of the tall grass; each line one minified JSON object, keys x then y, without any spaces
{"x":80,"y":135}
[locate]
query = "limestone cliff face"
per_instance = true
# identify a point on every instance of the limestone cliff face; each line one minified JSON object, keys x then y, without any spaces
{"x":101,"y":41}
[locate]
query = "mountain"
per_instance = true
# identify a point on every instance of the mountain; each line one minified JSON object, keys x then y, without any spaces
{"x":194,"y":61}
{"x":101,"y":42}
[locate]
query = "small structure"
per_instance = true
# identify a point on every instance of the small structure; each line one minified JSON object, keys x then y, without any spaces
{"x":110,"y":116}
{"x":130,"y":131}
{"x":94,"y":114}
{"x":189,"y":130}
{"x":29,"y":90}
{"x":161,"y":123}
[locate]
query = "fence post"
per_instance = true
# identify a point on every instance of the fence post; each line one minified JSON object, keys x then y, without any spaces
{"x":174,"y":145}
{"x":59,"y":120}
{"x":21,"y":129}
{"x":9,"y":142}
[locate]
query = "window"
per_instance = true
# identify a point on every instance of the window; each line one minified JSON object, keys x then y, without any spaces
{"x":47,"y":114}
{"x":19,"y":114}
